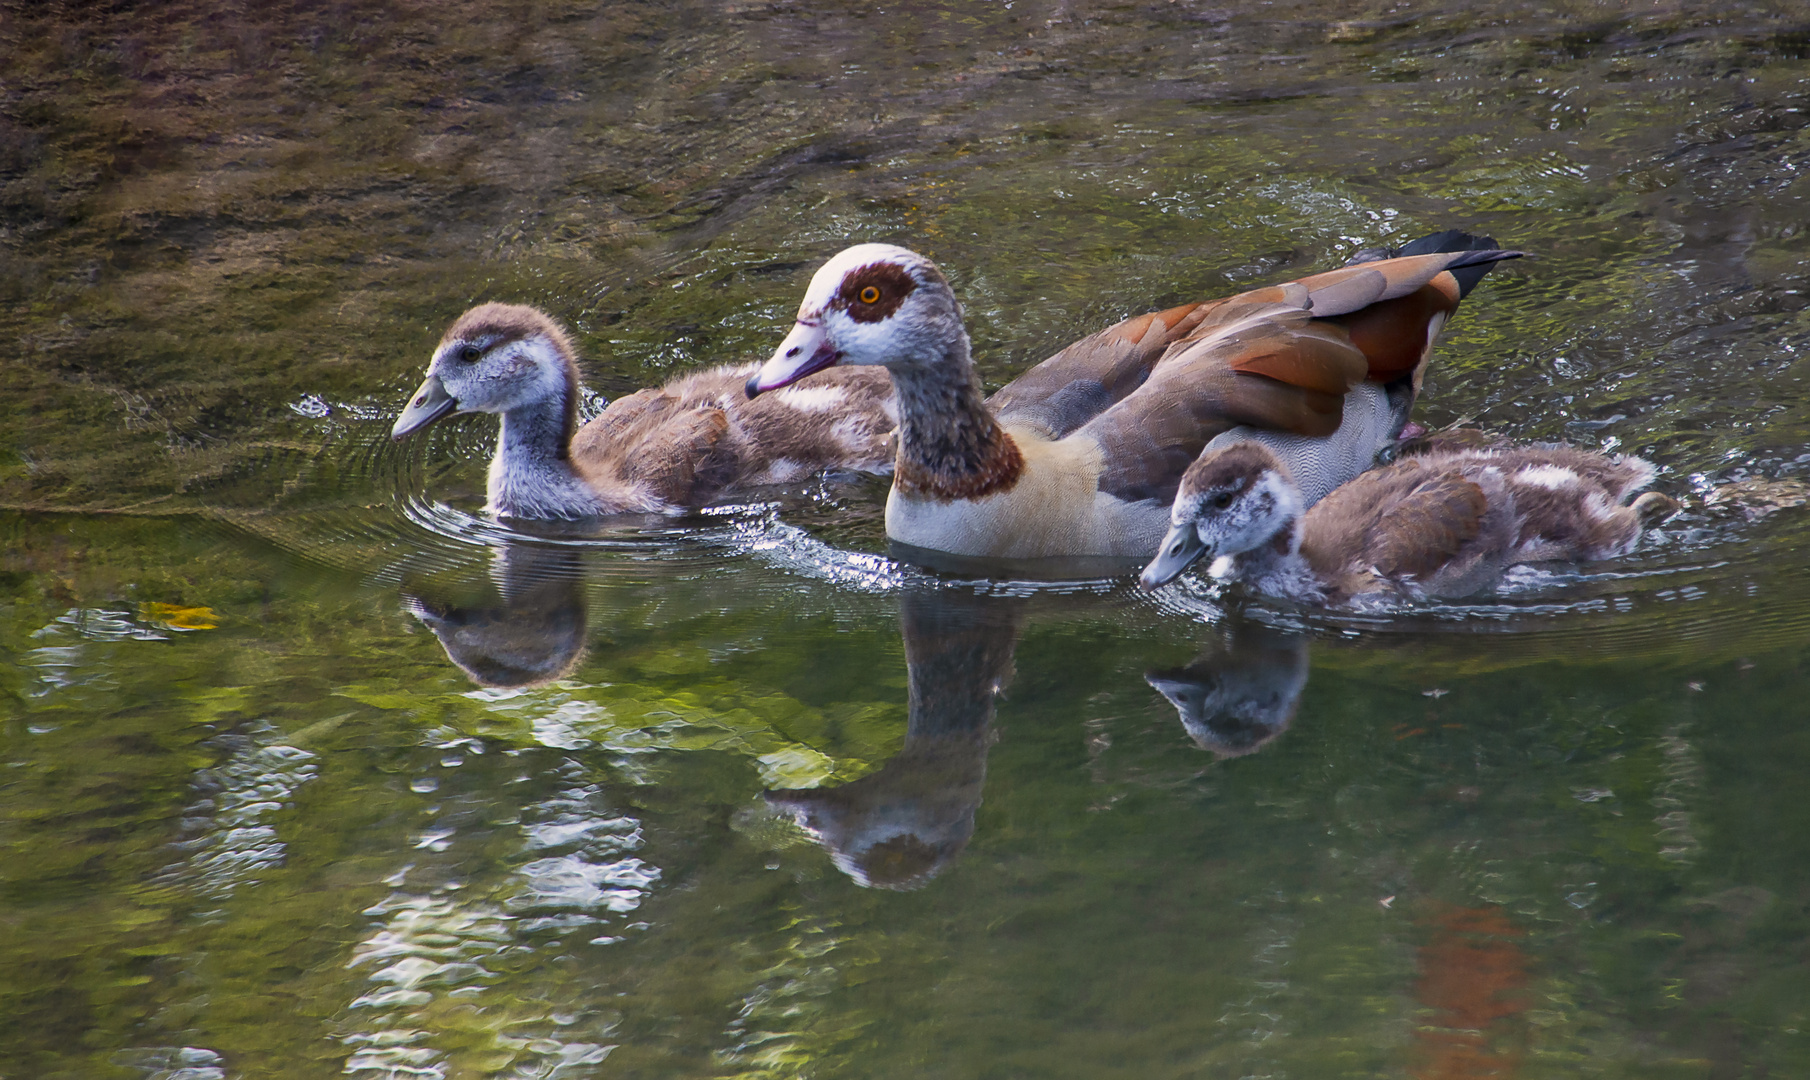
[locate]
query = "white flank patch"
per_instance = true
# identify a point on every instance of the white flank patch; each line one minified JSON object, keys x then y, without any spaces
{"x":1551,"y":477}
{"x":813,"y":398}
{"x":1434,"y":326}
{"x":785,"y":470}
{"x":1644,"y":472}
{"x":851,"y":433}
{"x":1221,"y":569}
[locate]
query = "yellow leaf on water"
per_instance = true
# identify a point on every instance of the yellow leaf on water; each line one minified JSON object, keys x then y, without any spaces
{"x":177,"y":617}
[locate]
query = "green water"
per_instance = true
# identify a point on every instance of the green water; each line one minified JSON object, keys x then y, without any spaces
{"x":270,"y":808}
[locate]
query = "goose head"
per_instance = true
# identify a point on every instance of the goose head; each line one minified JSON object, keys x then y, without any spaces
{"x":870,"y":304}
{"x":1230,"y":501}
{"x":496,"y":358}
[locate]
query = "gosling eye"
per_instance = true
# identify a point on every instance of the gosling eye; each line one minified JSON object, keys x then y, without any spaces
{"x":1222,"y":500}
{"x":470,"y":353}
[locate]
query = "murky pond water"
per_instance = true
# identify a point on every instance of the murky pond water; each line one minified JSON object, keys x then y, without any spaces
{"x":276,"y":803}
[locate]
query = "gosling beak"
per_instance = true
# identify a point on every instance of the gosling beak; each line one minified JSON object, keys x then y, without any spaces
{"x":805,"y":350}
{"x":430,"y":403}
{"x":1180,"y":548}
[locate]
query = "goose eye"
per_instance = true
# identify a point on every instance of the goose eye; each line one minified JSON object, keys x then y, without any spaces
{"x":1222,"y":500}
{"x":470,"y":354}
{"x":870,"y":295}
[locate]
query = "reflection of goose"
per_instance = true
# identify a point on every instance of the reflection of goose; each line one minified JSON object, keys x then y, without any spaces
{"x":534,"y":636}
{"x":900,"y":826}
{"x":1081,"y":454}
{"x":1241,"y":693}
{"x":1442,"y":523}
{"x":656,"y":451}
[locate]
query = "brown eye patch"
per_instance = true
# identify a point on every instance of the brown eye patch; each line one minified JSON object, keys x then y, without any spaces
{"x":874,"y":291}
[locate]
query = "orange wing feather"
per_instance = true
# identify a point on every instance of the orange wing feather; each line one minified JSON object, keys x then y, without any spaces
{"x":1155,"y":388}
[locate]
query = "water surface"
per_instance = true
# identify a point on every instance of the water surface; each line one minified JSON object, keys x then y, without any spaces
{"x":312,"y":771}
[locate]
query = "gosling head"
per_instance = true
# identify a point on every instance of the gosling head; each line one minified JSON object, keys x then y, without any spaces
{"x":871,"y":304}
{"x":1230,"y":501}
{"x":495,"y":358}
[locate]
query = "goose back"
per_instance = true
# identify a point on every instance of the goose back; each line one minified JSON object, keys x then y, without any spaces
{"x":1282,"y":359}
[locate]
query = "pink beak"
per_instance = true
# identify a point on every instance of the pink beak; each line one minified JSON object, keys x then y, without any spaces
{"x":805,"y":350}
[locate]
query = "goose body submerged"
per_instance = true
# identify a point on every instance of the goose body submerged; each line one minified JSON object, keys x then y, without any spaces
{"x":661,"y":450}
{"x":1081,"y":455}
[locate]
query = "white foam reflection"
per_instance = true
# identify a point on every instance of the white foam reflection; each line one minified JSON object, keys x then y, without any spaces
{"x":438,"y":957}
{"x":228,"y":831}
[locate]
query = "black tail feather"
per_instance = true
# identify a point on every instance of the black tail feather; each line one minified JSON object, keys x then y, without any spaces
{"x":1468,"y":272}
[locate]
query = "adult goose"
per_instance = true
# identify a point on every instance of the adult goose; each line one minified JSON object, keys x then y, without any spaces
{"x":660,"y":450}
{"x":1080,"y":456}
{"x":1440,"y":523}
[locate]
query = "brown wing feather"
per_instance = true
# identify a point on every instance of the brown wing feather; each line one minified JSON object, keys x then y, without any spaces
{"x":1309,"y":355}
{"x":685,"y":459}
{"x":1342,"y":291}
{"x":1082,"y":381}
{"x":1154,"y":389}
{"x":1148,"y":440}
{"x":1393,"y":334}
{"x":1427,"y":526}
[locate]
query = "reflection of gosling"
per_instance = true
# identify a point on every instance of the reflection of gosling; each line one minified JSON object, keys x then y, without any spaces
{"x":1443,"y":523}
{"x":534,"y":636}
{"x":1237,"y":697}
{"x":657,"y":451}
{"x":504,"y":647}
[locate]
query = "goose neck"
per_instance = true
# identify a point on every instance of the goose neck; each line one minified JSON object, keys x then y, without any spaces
{"x":537,"y":432}
{"x":531,"y":474}
{"x":950,"y":446}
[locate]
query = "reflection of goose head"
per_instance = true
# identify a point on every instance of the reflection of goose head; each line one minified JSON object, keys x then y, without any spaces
{"x":903,"y":824}
{"x":1238,"y":696}
{"x":534,"y":636}
{"x":900,"y":826}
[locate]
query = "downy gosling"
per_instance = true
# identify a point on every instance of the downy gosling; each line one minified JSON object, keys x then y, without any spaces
{"x":1445,"y":523}
{"x":662,"y":450}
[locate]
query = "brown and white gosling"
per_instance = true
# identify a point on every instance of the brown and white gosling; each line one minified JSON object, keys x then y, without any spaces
{"x":664,"y":450}
{"x":1443,"y":523}
{"x":1080,"y":456}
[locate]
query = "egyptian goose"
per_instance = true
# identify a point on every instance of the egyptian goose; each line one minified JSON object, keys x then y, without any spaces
{"x":1441,"y":523}
{"x":656,"y":451}
{"x":1080,"y":456}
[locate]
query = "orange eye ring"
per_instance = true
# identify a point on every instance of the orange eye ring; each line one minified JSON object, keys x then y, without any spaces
{"x":870,"y":295}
